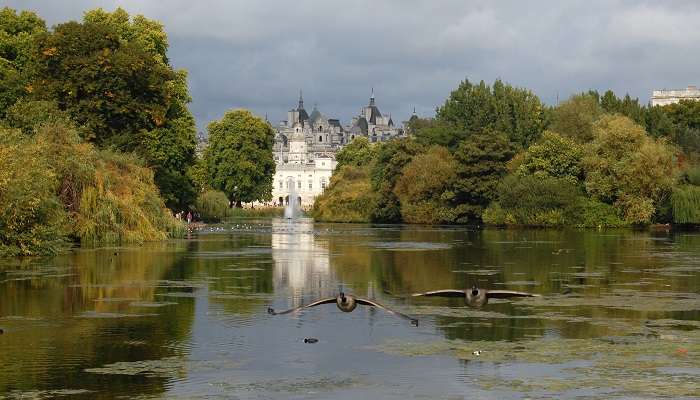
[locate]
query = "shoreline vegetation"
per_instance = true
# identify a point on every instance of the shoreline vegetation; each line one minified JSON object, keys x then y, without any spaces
{"x":98,"y":147}
{"x":497,"y":156}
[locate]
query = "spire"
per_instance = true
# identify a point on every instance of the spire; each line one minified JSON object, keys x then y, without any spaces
{"x":371,"y":98}
{"x":414,"y":110}
{"x":301,"y":101}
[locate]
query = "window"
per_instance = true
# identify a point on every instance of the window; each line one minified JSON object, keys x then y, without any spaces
{"x":323,"y":163}
{"x":320,"y":138}
{"x":311,"y":185}
{"x":299,"y":185}
{"x":280,"y":184}
{"x":323,"y":183}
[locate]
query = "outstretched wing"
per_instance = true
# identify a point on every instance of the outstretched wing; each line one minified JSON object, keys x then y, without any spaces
{"x":443,"y":293}
{"x":315,"y":303}
{"x":387,"y":309}
{"x":504,"y":294}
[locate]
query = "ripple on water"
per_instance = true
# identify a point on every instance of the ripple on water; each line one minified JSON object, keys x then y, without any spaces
{"x":409,"y":246}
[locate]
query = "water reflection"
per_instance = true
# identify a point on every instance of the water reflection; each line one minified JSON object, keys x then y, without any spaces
{"x":188,"y":318}
{"x":302,"y":263}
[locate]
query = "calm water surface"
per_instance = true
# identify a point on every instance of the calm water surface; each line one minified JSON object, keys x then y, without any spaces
{"x":619,"y":316}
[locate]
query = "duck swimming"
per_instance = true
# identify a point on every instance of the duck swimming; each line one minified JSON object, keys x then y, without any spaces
{"x":476,"y":297}
{"x":346,"y":303}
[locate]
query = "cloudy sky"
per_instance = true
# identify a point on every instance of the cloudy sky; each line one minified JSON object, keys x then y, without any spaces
{"x":257,"y":54}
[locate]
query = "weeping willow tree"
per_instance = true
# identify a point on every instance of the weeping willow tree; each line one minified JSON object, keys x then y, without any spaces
{"x":686,"y":204}
{"x":55,"y":188}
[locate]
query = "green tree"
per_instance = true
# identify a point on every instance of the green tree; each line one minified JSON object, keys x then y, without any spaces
{"x":553,"y":155}
{"x":685,"y":117}
{"x":424,"y":188}
{"x":532,"y":200}
{"x":110,"y":73}
{"x":18,"y":32}
{"x":575,"y":117}
{"x":430,"y":131}
{"x":359,"y":152}
{"x":627,"y":168}
{"x":390,"y":159}
{"x":239,"y":157}
{"x":481,"y":164}
{"x":472,"y":108}
{"x":348,"y":198}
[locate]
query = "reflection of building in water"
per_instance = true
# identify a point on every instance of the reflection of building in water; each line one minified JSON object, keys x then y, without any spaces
{"x":301,"y":262}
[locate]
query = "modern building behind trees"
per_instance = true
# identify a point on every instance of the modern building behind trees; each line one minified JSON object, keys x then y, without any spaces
{"x":670,"y":96}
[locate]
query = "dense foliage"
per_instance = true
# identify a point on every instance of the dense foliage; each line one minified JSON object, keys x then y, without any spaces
{"x":348,"y":198}
{"x":54,"y":188}
{"x":496,"y":154}
{"x":96,"y":135}
{"x":109,"y":75}
{"x":239,"y":157}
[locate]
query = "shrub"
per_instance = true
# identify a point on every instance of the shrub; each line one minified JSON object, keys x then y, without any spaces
{"x":212,"y":206}
{"x":424,"y":187}
{"x":54,"y":187}
{"x":32,"y":219}
{"x":686,"y":205}
{"x":530,"y":200}
{"x":348,"y":198}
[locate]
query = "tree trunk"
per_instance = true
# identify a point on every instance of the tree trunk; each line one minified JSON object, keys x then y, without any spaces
{"x":238,"y":204}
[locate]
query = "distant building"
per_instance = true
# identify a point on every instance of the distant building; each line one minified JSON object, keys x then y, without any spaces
{"x":306,"y":144}
{"x":202,"y":143}
{"x":665,"y":97}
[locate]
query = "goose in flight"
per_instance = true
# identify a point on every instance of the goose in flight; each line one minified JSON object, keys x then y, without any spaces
{"x":346,"y":303}
{"x":476,"y":297}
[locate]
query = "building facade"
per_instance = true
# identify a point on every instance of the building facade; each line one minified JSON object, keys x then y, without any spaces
{"x":306,"y":144}
{"x":665,"y":97}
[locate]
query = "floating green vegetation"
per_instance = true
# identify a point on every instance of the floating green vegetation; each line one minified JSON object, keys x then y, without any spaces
{"x":622,"y":299}
{"x":152,"y":304}
{"x":663,"y":363}
{"x":169,"y":367}
{"x":301,"y":385}
{"x":110,"y":315}
{"x":43,"y":394}
{"x":409,"y":246}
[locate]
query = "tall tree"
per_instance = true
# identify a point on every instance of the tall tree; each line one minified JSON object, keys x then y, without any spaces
{"x":389,"y":161}
{"x":239,"y":157}
{"x":111,"y":74}
{"x":627,"y":168}
{"x":359,"y":153}
{"x":481,"y":164}
{"x":18,"y":32}
{"x":472,"y":108}
{"x":575,"y":117}
{"x":424,"y":187}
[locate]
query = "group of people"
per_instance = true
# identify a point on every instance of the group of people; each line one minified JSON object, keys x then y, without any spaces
{"x":181,"y":215}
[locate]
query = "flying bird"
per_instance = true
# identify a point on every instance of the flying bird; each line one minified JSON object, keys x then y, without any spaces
{"x":346,"y":303}
{"x":476,"y":297}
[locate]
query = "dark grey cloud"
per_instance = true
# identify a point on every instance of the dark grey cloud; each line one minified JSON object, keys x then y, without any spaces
{"x":258,"y":54}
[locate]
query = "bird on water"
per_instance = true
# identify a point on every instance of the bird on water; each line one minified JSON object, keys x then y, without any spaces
{"x":346,"y":303}
{"x":476,"y":297}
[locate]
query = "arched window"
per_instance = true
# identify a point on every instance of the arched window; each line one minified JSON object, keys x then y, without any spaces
{"x":320,"y":138}
{"x":320,"y":128}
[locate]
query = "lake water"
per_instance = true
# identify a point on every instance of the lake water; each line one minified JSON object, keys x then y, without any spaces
{"x":619,"y":316}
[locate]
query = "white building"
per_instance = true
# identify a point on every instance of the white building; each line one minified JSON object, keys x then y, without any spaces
{"x":665,"y":97}
{"x":305,"y":147}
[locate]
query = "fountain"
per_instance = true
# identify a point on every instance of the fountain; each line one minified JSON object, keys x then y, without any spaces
{"x":291,"y":210}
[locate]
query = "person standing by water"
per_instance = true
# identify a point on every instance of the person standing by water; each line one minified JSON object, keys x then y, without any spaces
{"x":189,"y":217}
